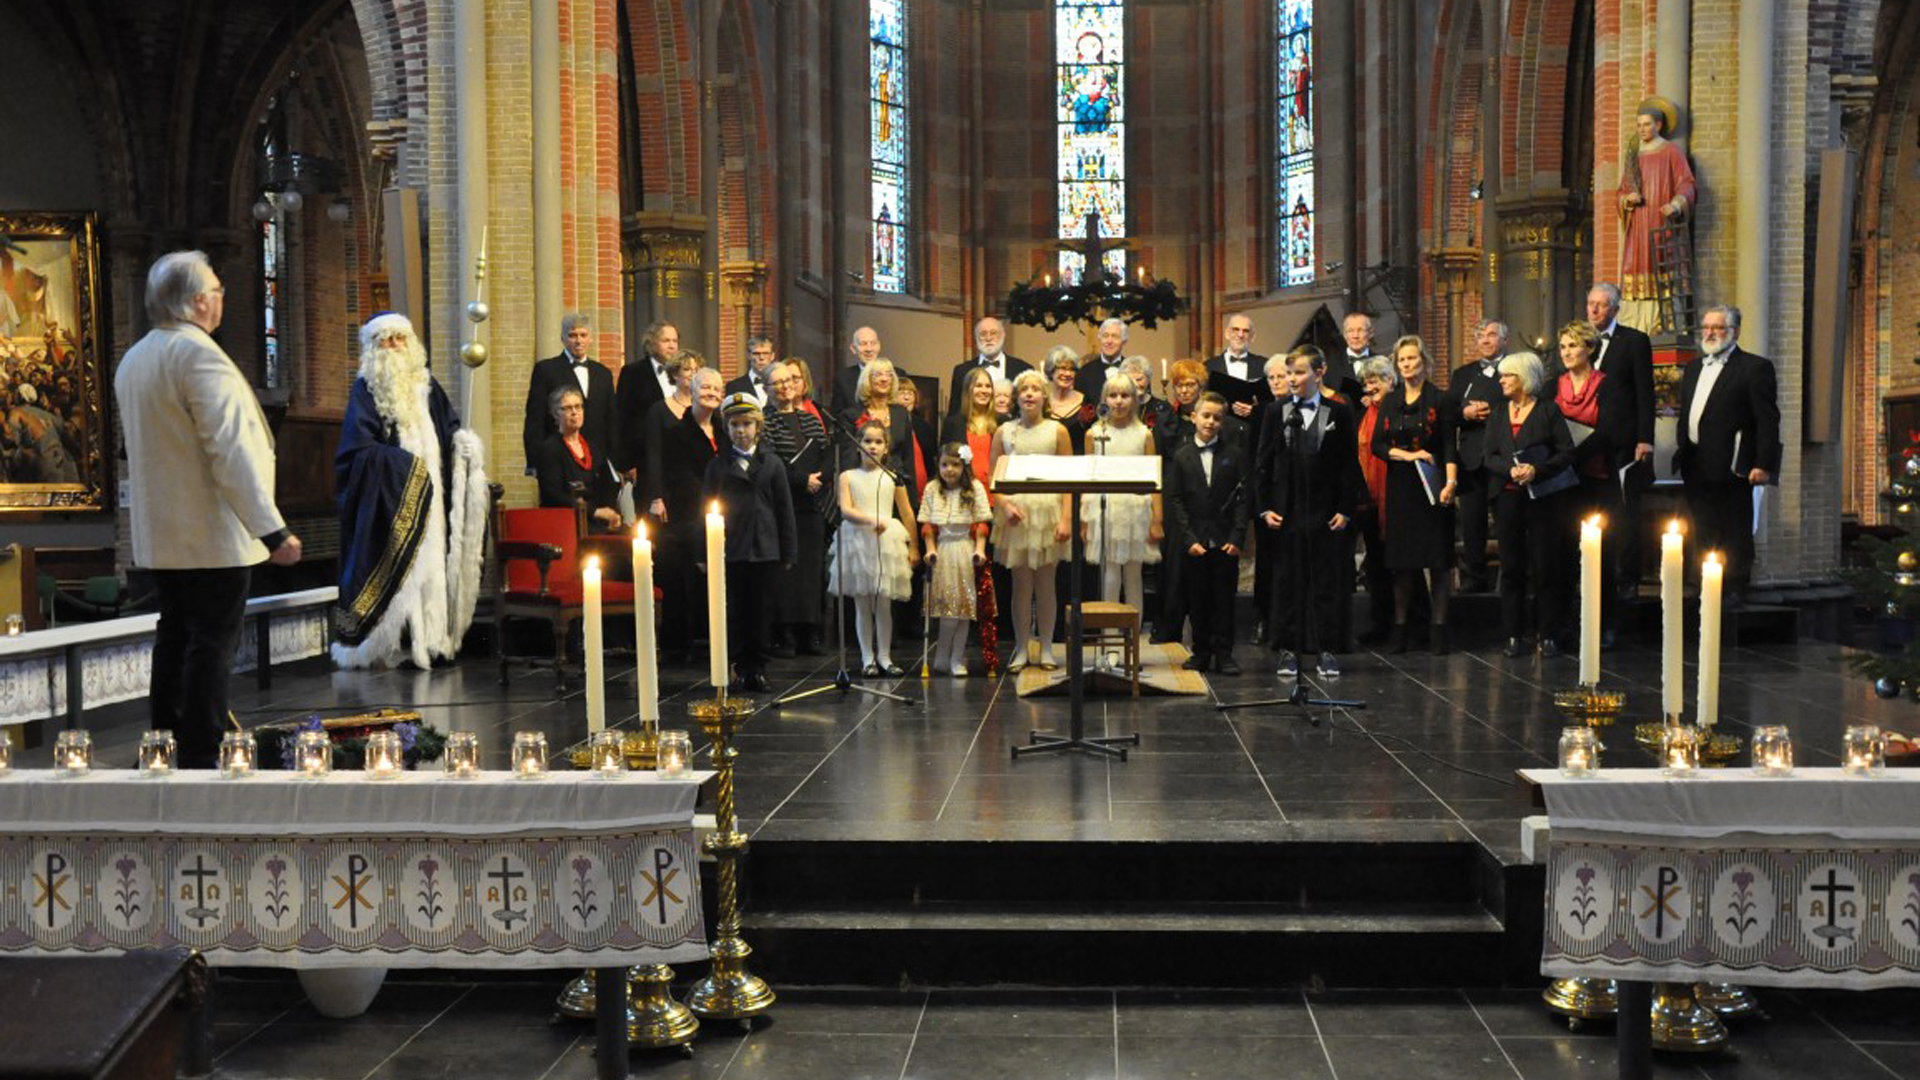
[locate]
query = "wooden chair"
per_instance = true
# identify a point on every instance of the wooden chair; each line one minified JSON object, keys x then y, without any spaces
{"x":536,"y":575}
{"x":1100,"y":620}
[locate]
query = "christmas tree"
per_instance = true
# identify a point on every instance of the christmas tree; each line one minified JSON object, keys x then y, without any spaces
{"x":1890,"y":585}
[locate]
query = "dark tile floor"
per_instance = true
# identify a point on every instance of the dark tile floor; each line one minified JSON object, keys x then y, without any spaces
{"x":424,"y":1027}
{"x":1432,"y":755}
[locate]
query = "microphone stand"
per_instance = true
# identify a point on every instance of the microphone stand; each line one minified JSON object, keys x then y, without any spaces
{"x":843,"y":678}
{"x":1298,"y":547}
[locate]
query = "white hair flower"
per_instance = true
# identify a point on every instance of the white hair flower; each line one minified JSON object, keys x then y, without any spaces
{"x":966,"y":454}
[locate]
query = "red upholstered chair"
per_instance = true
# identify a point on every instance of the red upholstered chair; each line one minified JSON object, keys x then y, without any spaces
{"x":536,"y":563}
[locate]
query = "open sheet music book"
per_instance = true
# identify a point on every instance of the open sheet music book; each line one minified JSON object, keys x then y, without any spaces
{"x":1431,"y":480}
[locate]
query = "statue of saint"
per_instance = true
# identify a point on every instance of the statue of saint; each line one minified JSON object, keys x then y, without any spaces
{"x":1656,"y":190}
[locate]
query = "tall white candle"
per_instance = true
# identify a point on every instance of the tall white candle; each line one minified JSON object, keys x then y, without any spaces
{"x":717,"y":595}
{"x":1590,"y":601}
{"x":646,"y":676}
{"x":596,"y":662}
{"x":1672,"y":578}
{"x":1710,"y":574}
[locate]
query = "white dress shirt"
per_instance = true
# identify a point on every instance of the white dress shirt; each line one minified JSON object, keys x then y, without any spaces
{"x":1606,"y":342}
{"x":1710,"y":369}
{"x":1237,"y":366}
{"x":660,"y":376}
{"x":579,"y":368}
{"x":1206,"y":459}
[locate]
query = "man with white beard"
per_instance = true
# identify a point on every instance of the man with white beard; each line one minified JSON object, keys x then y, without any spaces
{"x":413,"y":509}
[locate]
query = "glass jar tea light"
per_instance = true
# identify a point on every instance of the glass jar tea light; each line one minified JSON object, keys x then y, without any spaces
{"x":158,"y":752}
{"x":16,"y":625}
{"x":313,"y":755}
{"x":1772,"y":750}
{"x":1863,"y":750}
{"x":1579,"y":752}
{"x":606,"y":755}
{"x":73,"y":753}
{"x":384,"y":761}
{"x":237,"y":755}
{"x":675,"y":754}
{"x":1680,"y":750}
{"x":6,"y":754}
{"x":529,"y":755}
{"x":461,"y":759}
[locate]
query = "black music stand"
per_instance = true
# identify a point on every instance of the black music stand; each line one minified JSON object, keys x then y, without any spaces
{"x":1039,"y":474}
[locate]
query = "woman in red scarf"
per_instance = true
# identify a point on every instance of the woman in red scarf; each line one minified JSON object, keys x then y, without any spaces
{"x":1597,"y":417}
{"x":1377,"y":378}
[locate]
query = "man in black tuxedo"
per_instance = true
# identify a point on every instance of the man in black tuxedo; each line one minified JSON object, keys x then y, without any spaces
{"x":755,"y":380}
{"x":1729,"y":442}
{"x":1472,"y":394}
{"x":641,"y":386}
{"x":572,"y":367}
{"x":1238,"y":360}
{"x":989,"y":351}
{"x":1207,"y":506}
{"x":1104,"y":362}
{"x":1304,"y":477}
{"x":1626,"y":356}
{"x":865,"y":348}
{"x":1342,"y":369}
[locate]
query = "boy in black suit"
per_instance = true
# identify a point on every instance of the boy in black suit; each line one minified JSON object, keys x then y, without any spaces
{"x":1304,"y":489}
{"x":1207,"y":508}
{"x":751,"y":485}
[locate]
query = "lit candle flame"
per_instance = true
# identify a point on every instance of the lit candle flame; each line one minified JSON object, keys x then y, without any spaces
{"x":1673,"y":527}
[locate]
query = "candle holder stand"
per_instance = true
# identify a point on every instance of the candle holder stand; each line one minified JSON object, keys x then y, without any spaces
{"x":1717,"y":748}
{"x":1588,"y":704}
{"x":1728,"y":1001}
{"x":1682,"y":1023}
{"x":730,"y":991}
{"x":642,"y":747}
{"x":654,"y":1019}
{"x":1581,"y":1000}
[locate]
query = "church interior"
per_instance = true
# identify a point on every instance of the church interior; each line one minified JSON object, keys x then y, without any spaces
{"x":1225,"y":878}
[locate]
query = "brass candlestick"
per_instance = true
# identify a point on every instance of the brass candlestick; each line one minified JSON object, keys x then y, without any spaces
{"x":1728,"y":1001}
{"x":1681,"y":1023}
{"x":654,"y":1019}
{"x":730,"y":991}
{"x":1580,"y":1000}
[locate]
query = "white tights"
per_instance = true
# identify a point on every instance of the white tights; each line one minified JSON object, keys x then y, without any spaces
{"x":1033,"y":587}
{"x":1114,"y":575}
{"x":873,"y":625}
{"x":952,"y":648}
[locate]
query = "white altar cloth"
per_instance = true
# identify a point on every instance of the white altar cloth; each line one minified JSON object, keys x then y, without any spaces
{"x":1725,"y":876}
{"x":417,"y":871}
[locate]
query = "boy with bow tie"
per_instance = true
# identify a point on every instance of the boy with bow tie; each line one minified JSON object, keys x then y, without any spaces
{"x":1206,"y":500}
{"x":1304,"y":489}
{"x":751,"y":486}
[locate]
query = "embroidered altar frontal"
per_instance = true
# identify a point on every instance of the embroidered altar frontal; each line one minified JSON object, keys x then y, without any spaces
{"x":539,"y":896}
{"x":1808,"y":881}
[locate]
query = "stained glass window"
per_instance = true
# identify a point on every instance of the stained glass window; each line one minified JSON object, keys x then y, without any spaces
{"x":1089,"y":48}
{"x":887,"y":101}
{"x":1293,"y":142}
{"x":270,"y":298}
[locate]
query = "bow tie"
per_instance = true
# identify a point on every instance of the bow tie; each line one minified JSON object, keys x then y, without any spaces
{"x":986,"y":362}
{"x":579,"y":362}
{"x":1608,"y":336}
{"x":1207,"y":448}
{"x":1714,"y":359}
{"x":1307,"y":406}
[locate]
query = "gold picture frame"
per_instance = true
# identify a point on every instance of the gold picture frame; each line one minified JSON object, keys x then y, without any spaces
{"x":53,"y":421}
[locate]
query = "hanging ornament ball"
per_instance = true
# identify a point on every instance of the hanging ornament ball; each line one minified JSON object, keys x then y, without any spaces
{"x":1904,"y":508}
{"x":1901,"y":489}
{"x":1893,"y":609}
{"x":1913,"y":467}
{"x":1886,"y":688}
{"x":478,"y":311}
{"x":1908,"y":560}
{"x":473,"y":353}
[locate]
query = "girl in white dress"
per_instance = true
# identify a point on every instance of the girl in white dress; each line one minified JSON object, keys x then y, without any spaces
{"x":1031,"y":532}
{"x":1122,"y":532}
{"x":874,"y":552}
{"x":953,"y":516}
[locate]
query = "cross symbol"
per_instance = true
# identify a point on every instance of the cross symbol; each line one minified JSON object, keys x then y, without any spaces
{"x":505,"y":876}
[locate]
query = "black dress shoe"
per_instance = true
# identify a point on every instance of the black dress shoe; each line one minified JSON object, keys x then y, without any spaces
{"x":1550,"y":648}
{"x":1515,"y":648}
{"x":1397,"y":638}
{"x":1198,"y":662}
{"x":1224,"y":665}
{"x":755,"y":683}
{"x":1441,"y":643}
{"x":1259,"y":633}
{"x":810,"y":644}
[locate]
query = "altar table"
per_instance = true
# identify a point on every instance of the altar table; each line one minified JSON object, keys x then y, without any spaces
{"x":1725,"y":876}
{"x":417,"y":871}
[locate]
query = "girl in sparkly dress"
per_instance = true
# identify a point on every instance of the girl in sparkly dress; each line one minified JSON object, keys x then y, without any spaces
{"x":953,"y":518}
{"x":1122,"y":532}
{"x":874,"y":552}
{"x":1030,"y":531}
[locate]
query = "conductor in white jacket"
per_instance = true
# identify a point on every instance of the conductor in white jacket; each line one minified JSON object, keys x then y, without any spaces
{"x":200,"y":464}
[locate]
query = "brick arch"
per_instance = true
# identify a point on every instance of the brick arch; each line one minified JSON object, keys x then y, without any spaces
{"x":667,"y":102}
{"x":746,"y":192}
{"x":1535,"y":71}
{"x":1450,"y":219}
